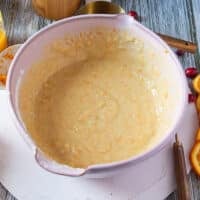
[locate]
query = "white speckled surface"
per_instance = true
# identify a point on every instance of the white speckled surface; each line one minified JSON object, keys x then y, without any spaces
{"x":179,"y":18}
{"x":20,"y":174}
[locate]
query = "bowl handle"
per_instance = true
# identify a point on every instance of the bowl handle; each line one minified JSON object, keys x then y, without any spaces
{"x":57,"y":168}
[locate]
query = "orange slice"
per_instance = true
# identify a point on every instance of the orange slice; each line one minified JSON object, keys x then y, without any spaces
{"x":196,"y":84}
{"x":195,"y":157}
{"x":3,"y":38}
{"x":198,"y":135}
{"x":198,"y":103}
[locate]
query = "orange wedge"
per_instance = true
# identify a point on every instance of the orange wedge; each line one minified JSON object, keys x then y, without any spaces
{"x":196,"y":84}
{"x":195,"y":158}
{"x":198,"y":135}
{"x":3,"y":38}
{"x":198,"y":103}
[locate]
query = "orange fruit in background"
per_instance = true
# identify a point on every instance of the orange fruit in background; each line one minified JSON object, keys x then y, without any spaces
{"x":196,"y":84}
{"x":3,"y":40}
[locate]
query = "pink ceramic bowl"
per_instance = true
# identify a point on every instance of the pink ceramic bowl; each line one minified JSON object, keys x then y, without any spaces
{"x":32,"y":51}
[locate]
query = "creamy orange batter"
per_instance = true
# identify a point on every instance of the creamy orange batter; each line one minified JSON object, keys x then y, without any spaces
{"x":93,"y":100}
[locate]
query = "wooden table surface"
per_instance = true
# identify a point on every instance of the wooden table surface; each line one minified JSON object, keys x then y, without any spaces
{"x":178,"y":18}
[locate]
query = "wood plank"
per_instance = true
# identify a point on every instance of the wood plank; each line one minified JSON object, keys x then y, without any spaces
{"x":195,"y":19}
{"x":20,"y":20}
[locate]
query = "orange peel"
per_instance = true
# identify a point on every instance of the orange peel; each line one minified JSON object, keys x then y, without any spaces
{"x":198,"y":103}
{"x":195,"y":158}
{"x":3,"y":79}
{"x":196,"y":84}
{"x":3,"y":37}
{"x":198,"y":135}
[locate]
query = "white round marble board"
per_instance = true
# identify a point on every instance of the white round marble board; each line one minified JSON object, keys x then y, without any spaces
{"x":19,"y":173}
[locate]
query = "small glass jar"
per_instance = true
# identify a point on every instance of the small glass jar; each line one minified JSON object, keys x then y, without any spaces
{"x":56,"y":9}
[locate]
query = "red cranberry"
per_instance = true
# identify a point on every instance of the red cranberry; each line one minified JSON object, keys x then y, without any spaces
{"x":133,"y":14}
{"x":180,"y":52}
{"x":192,"y":98}
{"x":191,"y":72}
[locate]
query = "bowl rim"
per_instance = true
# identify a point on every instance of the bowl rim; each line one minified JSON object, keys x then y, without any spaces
{"x":134,"y":159}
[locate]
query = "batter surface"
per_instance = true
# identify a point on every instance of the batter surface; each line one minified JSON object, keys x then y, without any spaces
{"x":91,"y":103}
